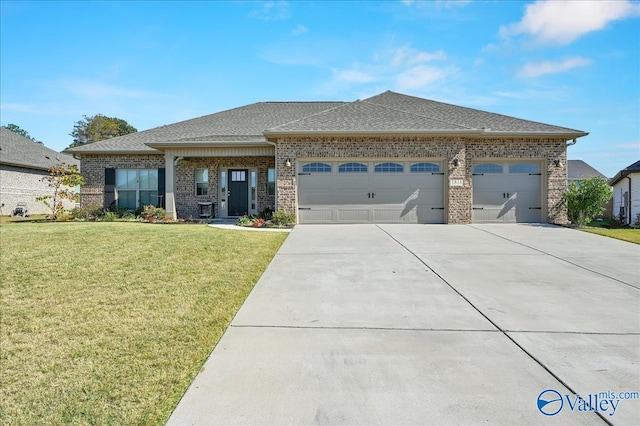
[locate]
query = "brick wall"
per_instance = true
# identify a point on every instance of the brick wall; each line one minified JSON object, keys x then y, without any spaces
{"x":465,"y":150}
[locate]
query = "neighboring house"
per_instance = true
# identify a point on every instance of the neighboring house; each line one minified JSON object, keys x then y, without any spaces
{"x":626,"y":194}
{"x":578,"y":169}
{"x":23,"y":164}
{"x":391,"y":158}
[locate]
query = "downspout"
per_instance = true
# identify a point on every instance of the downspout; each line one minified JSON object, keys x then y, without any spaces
{"x":629,"y":200}
{"x":573,"y":142}
{"x":275,"y":162}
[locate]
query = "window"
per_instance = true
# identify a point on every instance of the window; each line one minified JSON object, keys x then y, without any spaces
{"x":137,"y":188}
{"x":316,"y":168}
{"x":202,"y":182}
{"x":523,"y":168}
{"x":271,"y":181}
{"x":389,"y":168}
{"x":238,"y":176}
{"x":425,"y":168}
{"x":254,"y":179}
{"x":487,"y":168}
{"x":352,"y":168}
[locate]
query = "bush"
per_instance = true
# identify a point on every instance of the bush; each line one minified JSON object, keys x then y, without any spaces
{"x":586,"y":199}
{"x":266,"y":214}
{"x":281,"y":218}
{"x":92,"y":212}
{"x":154,"y":214}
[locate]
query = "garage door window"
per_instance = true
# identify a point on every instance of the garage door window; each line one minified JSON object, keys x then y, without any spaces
{"x":316,"y":168}
{"x":389,"y":168}
{"x":524,"y":168}
{"x":425,"y":168}
{"x":352,"y":168}
{"x":487,"y":168}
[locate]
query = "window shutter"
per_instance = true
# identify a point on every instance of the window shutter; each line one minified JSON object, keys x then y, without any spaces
{"x":161,"y":189}
{"x":109,"y":188}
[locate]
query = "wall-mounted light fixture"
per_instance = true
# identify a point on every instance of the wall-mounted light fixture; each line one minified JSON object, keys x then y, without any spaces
{"x":287,"y":163}
{"x":557,"y":163}
{"x":456,"y":162}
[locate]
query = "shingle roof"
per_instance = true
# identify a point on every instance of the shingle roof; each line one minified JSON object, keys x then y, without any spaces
{"x":388,"y":112}
{"x":16,"y":150}
{"x":239,"y":125}
{"x":632,"y":168}
{"x":578,"y":169}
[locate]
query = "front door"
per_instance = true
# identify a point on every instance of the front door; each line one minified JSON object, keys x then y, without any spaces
{"x":238,"y":194}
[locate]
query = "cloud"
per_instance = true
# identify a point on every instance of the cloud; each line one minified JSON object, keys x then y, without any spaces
{"x":409,"y":56}
{"x":271,"y":11}
{"x":562,"y":22}
{"x":99,"y":90}
{"x":299,"y":29}
{"x":353,"y":76}
{"x":420,"y":76}
{"x":438,"y":3}
{"x":536,"y":69}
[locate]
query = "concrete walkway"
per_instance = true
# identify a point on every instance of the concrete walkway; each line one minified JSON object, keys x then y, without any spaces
{"x":435,"y":324}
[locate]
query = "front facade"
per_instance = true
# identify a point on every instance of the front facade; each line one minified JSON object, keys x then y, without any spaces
{"x":626,"y":194}
{"x":23,"y":165}
{"x":391,"y":158}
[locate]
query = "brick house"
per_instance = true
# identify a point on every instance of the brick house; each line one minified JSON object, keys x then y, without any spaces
{"x":391,"y":158}
{"x":23,"y":164}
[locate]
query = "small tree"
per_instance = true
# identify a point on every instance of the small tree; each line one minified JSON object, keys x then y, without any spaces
{"x":586,"y":199}
{"x":62,"y":179}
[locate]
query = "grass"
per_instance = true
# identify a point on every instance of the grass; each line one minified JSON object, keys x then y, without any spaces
{"x":108,"y":323}
{"x":625,"y":234}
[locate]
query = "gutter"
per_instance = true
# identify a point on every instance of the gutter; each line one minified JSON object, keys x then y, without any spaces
{"x":472,"y":132}
{"x":629,"y":199}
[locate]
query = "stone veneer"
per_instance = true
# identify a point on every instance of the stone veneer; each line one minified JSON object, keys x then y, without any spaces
{"x":466,"y":150}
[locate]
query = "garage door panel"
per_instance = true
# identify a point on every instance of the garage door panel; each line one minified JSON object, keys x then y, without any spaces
{"x":353,"y":215}
{"x":387,"y":181}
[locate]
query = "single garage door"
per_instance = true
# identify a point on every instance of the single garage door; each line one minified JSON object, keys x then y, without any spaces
{"x":387,"y":191}
{"x":507,"y":192}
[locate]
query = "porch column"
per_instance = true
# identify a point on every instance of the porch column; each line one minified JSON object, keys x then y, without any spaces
{"x":169,"y":185}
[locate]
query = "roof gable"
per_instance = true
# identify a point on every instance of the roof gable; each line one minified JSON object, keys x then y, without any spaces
{"x":578,"y":169}
{"x":16,"y":150}
{"x":632,"y":168}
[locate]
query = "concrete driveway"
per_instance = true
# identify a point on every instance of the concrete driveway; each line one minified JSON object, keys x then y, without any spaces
{"x":431,"y":324}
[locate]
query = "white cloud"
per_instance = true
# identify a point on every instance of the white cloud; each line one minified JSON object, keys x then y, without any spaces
{"x":562,"y":22}
{"x":409,"y":56}
{"x":272,"y":11}
{"x":419,"y":77}
{"x":536,"y":69}
{"x":353,"y":76}
{"x":299,"y":29}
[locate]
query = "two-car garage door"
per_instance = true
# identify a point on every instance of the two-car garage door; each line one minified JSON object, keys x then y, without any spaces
{"x":387,"y":191}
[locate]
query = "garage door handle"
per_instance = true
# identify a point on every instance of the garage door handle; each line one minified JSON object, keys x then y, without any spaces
{"x":373,"y":195}
{"x":368,"y":195}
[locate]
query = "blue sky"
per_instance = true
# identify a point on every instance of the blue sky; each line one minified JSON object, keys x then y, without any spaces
{"x":574,"y":64}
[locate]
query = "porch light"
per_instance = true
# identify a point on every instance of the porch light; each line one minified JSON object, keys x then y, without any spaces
{"x":456,"y":162}
{"x":287,"y":163}
{"x":557,"y":163}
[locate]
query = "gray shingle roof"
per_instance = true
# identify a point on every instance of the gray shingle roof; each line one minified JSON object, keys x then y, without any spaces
{"x":632,"y":168}
{"x":19,"y":151}
{"x":578,"y":169}
{"x":239,"y":125}
{"x":388,"y":112}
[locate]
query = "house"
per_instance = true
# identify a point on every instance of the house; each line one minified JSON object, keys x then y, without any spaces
{"x":23,"y":164}
{"x":578,"y":169}
{"x":390,"y":158}
{"x":626,"y":194}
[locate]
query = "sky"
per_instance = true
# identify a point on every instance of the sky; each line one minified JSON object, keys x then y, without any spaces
{"x":574,"y":64}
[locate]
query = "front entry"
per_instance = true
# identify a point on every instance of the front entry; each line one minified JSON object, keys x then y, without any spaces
{"x":238,"y":192}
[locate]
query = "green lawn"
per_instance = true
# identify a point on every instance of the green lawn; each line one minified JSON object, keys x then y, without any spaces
{"x":627,"y":234}
{"x":108,"y":323}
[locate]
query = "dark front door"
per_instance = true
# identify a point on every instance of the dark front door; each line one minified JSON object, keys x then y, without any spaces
{"x":238,"y":192}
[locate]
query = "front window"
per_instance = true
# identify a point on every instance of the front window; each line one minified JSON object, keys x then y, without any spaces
{"x":137,"y":188}
{"x":202,"y":182}
{"x":271,"y":181}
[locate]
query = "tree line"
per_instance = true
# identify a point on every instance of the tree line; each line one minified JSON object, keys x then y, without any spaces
{"x":88,"y":130}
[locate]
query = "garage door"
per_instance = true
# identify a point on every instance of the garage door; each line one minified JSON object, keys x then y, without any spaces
{"x":507,"y":192}
{"x":387,"y":191}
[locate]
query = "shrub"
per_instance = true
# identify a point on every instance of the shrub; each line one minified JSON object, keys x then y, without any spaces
{"x":245,"y":221}
{"x":154,"y":214}
{"x":266,"y":214}
{"x":586,"y":199}
{"x":282,"y":218}
{"x":92,"y":212}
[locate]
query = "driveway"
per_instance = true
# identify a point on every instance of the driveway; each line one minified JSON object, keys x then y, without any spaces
{"x":430,"y":324}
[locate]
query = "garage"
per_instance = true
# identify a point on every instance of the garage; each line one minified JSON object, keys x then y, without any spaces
{"x":382,"y":191}
{"x":507,"y":191}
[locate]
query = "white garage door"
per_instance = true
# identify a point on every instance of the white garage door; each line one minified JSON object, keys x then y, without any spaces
{"x":507,"y":192}
{"x":387,"y":191}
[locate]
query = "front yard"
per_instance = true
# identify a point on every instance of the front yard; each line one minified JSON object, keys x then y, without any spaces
{"x":108,"y":323}
{"x":625,"y":234}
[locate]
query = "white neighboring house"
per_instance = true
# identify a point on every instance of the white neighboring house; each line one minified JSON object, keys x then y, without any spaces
{"x":626,"y":194}
{"x":23,"y":164}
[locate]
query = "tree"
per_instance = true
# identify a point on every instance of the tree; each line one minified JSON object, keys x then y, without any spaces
{"x":97,"y":128}
{"x":17,"y":129}
{"x":62,"y":179}
{"x":586,"y":199}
